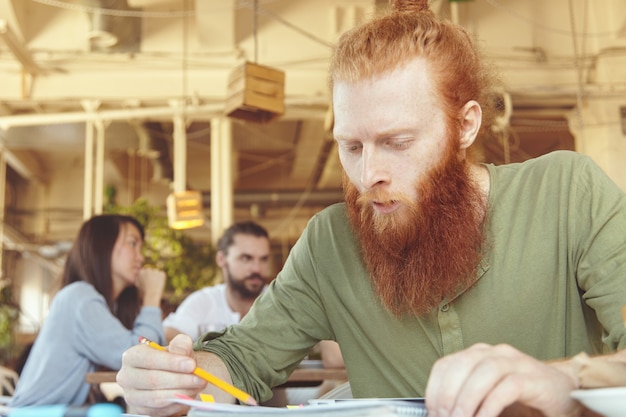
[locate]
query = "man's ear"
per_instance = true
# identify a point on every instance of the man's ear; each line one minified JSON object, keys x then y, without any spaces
{"x":220,"y":259}
{"x":472,"y":116}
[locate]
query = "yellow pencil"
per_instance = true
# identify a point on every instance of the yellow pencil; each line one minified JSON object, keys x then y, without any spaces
{"x":223,"y":385}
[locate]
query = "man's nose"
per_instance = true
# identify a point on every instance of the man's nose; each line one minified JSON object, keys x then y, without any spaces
{"x":257,"y":266}
{"x":375,"y":169}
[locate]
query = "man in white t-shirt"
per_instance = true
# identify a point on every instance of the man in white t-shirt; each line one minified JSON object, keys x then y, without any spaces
{"x":243,"y":254}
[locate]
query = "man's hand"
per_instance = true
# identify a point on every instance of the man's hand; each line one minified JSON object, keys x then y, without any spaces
{"x":150,"y":377}
{"x":484,"y":380}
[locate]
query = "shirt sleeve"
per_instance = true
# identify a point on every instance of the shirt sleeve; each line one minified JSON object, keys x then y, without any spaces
{"x":599,"y":224}
{"x":102,"y":338}
{"x":285,"y":322}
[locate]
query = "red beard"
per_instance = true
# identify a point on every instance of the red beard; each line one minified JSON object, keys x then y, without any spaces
{"x":425,"y":253}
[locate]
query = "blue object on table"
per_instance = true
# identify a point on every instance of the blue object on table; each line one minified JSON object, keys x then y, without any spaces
{"x":60,"y":410}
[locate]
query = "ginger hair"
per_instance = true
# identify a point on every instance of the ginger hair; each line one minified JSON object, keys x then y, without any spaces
{"x":412,"y":30}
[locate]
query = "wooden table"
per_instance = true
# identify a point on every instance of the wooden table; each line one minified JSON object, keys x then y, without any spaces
{"x":299,"y":377}
{"x":312,"y":377}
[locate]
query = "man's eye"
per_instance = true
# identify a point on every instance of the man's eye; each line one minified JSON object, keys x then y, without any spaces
{"x":399,"y":144}
{"x":352,"y":147}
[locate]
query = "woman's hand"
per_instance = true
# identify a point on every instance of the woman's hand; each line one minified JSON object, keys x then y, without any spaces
{"x":151,"y":283}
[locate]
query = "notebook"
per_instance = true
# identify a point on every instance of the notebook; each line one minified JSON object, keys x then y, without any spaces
{"x":380,"y":407}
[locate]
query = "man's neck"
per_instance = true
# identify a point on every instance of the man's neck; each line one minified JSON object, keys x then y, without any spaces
{"x":480,"y":175}
{"x":237,"y":303}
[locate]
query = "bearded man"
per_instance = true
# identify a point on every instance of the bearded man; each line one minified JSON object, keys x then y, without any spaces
{"x":243,"y":255}
{"x":440,"y":276}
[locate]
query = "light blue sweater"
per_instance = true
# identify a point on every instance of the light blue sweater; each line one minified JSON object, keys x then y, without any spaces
{"x":79,"y":333}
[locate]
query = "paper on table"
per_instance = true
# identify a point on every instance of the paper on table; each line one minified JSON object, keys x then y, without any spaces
{"x":363,"y":407}
{"x":413,"y":400}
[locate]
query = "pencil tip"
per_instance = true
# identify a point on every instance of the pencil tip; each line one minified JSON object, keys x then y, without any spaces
{"x":251,"y":401}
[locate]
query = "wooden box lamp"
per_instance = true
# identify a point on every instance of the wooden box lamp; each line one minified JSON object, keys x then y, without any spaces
{"x":184,"y":210}
{"x":255,"y":93}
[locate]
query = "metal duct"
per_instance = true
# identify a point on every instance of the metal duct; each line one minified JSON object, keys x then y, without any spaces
{"x":280,"y":198}
{"x":111,"y":30}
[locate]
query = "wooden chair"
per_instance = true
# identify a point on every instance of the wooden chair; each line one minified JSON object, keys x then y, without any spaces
{"x":342,"y":391}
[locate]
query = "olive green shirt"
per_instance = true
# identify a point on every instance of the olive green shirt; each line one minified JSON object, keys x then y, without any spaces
{"x":551,"y":283}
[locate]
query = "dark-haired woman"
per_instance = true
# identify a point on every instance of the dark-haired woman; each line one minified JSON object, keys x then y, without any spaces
{"x":106,"y":301}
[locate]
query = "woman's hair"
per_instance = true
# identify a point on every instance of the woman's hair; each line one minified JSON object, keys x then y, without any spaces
{"x":409,"y":31}
{"x":89,"y":260}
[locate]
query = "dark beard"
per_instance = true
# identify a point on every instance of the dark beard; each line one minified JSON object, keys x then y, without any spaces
{"x":239,"y":286}
{"x":424,"y":253}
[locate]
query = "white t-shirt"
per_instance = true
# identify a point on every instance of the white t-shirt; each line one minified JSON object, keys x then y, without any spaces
{"x":205,"y":310}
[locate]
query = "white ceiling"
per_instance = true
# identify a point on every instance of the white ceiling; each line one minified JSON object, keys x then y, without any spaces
{"x":552,"y":54}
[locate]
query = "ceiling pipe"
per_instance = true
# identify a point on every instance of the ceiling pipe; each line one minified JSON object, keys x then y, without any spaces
{"x":206,"y":111}
{"x":20,"y":167}
{"x":281,"y":198}
{"x":112,"y":29}
{"x":18,"y":49}
{"x":119,"y":114}
{"x":14,"y":240}
{"x":102,"y":32}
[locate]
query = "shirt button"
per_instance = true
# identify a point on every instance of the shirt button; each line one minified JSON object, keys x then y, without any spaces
{"x":445,"y":307}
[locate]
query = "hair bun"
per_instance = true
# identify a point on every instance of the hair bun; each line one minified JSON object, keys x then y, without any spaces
{"x":412,"y":6}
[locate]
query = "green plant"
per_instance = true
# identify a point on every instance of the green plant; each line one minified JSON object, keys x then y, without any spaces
{"x":9,"y":314}
{"x":188,"y":265}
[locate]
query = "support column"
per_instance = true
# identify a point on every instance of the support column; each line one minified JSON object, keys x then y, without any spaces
{"x":90,"y":106}
{"x":184,"y":208}
{"x":88,"y":178}
{"x":221,"y":176}
{"x":98,"y":198}
{"x":180,"y":153}
{"x":597,"y":129}
{"x":3,"y":189}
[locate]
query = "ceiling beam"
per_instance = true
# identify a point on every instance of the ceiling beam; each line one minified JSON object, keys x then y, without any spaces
{"x":18,"y":49}
{"x":25,"y":164}
{"x":215,"y":21}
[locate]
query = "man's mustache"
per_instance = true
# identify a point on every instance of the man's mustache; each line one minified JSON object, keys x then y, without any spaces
{"x":255,"y":276}
{"x":381,"y":196}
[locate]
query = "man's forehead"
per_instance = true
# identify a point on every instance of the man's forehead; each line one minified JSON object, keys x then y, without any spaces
{"x":392,"y":95}
{"x":249,"y":244}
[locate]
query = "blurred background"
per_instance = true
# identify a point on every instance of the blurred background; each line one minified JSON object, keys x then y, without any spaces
{"x":118,"y":104}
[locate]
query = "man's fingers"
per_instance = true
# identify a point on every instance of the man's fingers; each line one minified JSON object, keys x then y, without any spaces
{"x":158,"y":380}
{"x":181,"y":344}
{"x":491,"y":373}
{"x":144,"y":357}
{"x":483,"y":381}
{"x":449,"y":376}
